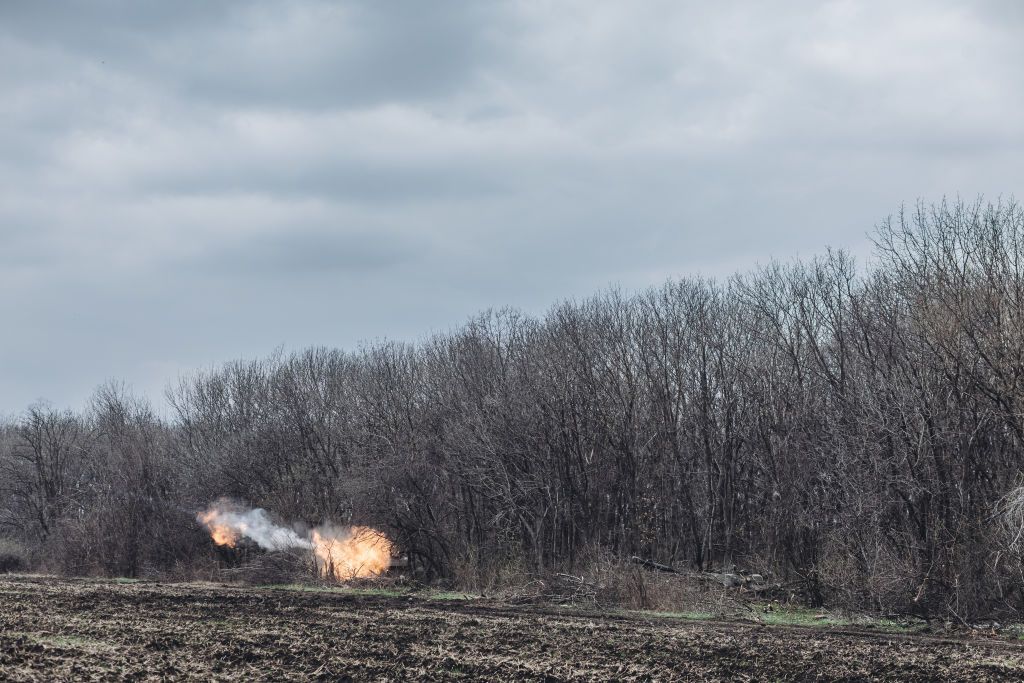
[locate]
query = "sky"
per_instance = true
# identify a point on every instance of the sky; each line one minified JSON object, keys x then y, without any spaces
{"x":186,"y":183}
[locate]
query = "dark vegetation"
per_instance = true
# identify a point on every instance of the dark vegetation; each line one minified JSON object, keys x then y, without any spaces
{"x":853,"y":434}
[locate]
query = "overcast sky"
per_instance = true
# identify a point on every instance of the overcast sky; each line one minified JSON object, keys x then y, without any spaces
{"x":184,"y":183}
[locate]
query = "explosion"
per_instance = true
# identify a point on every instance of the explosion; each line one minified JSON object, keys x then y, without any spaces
{"x":337,"y":552}
{"x":222,"y":534}
{"x":356,"y":552}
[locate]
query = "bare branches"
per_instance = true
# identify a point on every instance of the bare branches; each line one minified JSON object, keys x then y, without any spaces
{"x":849,"y":430}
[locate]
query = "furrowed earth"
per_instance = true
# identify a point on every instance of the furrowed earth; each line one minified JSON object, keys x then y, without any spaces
{"x":74,"y":629}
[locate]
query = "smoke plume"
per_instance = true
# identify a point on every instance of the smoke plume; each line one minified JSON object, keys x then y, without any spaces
{"x":227,"y":522}
{"x":336,"y":552}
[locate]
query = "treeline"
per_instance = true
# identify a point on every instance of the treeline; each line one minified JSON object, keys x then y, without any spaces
{"x":851,"y":431}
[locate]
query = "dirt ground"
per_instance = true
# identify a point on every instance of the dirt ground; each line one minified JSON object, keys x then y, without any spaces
{"x":65,"y":629}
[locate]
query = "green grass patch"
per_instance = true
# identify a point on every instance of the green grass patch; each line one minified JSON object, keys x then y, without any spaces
{"x":683,"y":616}
{"x":1014,"y":631}
{"x":800,"y":616}
{"x":890,"y":625}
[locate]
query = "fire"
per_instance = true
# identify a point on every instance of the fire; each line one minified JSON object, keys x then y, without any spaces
{"x":339,"y":553}
{"x":221,"y":533}
{"x":358,"y":552}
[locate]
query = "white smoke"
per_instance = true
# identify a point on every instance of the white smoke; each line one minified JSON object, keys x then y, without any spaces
{"x":253,"y":524}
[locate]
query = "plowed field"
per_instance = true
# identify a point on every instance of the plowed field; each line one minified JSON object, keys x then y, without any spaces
{"x":61,"y":629}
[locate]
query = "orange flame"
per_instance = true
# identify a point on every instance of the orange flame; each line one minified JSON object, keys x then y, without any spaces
{"x":337,"y":552}
{"x":222,"y":534}
{"x":358,"y":552}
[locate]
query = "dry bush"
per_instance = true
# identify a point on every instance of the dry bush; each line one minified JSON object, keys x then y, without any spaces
{"x":111,"y":542}
{"x":13,"y":556}
{"x":627,"y":585}
{"x":200,"y":568}
{"x":1010,"y":513}
{"x":76,"y":547}
{"x":273,"y":567}
{"x":883,"y":579}
{"x":489,"y":576}
{"x":608,"y":582}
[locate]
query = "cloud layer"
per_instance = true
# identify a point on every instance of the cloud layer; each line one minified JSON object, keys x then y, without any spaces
{"x":186,"y":183}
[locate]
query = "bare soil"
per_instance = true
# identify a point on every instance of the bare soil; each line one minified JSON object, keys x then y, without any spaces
{"x":68,"y":629}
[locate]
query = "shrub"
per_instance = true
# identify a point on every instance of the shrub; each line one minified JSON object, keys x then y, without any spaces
{"x":13,"y":556}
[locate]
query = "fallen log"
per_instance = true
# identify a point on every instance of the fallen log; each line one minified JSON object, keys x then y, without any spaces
{"x":651,"y":564}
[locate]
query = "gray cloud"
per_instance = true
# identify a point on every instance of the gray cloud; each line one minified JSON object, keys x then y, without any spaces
{"x":296,"y":251}
{"x":185,"y":183}
{"x":291,"y":54}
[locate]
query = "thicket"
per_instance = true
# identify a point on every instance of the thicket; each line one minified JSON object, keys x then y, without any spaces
{"x":856,"y":432}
